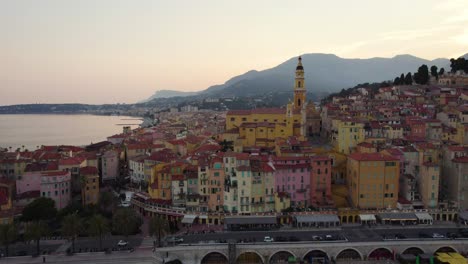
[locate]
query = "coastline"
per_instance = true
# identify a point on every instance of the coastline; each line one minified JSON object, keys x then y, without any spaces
{"x":77,"y":129}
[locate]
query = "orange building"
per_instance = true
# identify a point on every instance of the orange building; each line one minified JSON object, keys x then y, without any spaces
{"x":373,"y":180}
{"x":90,"y":185}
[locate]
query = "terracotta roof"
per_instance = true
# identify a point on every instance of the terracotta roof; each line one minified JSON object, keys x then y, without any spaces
{"x":371,"y":157}
{"x":71,"y":161}
{"x":89,"y":170}
{"x":54,"y":173}
{"x":28,"y":195}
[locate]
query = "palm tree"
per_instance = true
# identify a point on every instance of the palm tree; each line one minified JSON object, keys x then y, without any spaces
{"x":125,"y":221}
{"x":106,"y":200}
{"x":72,"y":227}
{"x":98,"y":227}
{"x":160,"y":226}
{"x":8,"y":234}
{"x":36,"y":230}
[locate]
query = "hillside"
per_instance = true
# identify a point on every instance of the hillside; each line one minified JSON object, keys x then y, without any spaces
{"x":324,"y":73}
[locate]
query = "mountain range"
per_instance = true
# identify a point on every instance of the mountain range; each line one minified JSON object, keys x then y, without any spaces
{"x":324,"y":73}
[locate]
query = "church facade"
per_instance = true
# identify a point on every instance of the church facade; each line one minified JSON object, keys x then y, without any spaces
{"x":261,"y":127}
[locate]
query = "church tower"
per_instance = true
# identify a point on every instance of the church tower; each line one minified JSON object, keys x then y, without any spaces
{"x":299,"y":87}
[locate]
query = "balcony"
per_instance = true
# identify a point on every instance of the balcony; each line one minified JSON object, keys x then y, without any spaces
{"x":301,"y":190}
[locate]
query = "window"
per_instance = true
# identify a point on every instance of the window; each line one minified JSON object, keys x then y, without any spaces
{"x":233,"y":119}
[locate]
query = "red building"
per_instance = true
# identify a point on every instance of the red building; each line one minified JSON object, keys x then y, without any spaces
{"x":320,"y":181}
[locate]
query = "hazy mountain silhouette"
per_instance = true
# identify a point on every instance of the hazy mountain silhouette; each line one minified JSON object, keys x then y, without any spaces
{"x":323,"y":72}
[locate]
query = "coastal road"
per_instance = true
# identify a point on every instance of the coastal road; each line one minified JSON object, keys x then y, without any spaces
{"x":143,"y":257}
{"x":353,"y":234}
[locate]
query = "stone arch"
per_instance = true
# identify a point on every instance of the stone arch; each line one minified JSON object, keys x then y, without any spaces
{"x":249,"y":257}
{"x":349,"y":253}
{"x":280,"y":256}
{"x":381,"y":253}
{"x":445,"y":249}
{"x":214,"y":257}
{"x":350,"y":219}
{"x":316,"y":254}
{"x":175,"y":261}
{"x":413,"y":250}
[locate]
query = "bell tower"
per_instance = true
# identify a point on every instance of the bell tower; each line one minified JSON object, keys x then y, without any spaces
{"x":299,"y":87}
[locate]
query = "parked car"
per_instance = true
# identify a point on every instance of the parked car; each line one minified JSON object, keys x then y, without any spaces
{"x":175,"y":240}
{"x":329,"y":237}
{"x":122,"y":243}
{"x":317,"y":238}
{"x":437,"y":235}
{"x":268,"y":239}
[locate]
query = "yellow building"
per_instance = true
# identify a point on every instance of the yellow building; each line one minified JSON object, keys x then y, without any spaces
{"x":260,"y":127}
{"x":347,"y":134}
{"x":373,"y":180}
{"x":282,"y":201}
{"x":90,"y":185}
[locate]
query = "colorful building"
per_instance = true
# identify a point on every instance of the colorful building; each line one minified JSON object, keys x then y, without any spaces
{"x":373,"y":180}
{"x":260,"y":127}
{"x":90,"y":185}
{"x":320,"y":181}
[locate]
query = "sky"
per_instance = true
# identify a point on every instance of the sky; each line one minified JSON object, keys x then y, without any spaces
{"x":116,"y":51}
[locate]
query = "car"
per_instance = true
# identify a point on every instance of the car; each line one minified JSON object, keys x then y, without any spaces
{"x":317,"y":238}
{"x":122,"y":243}
{"x":328,"y":237}
{"x":437,"y":235}
{"x":268,"y":239}
{"x":175,"y":240}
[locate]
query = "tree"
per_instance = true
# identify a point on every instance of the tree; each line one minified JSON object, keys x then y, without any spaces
{"x":106,"y":200}
{"x":97,"y":227}
{"x":34,"y":231}
{"x":434,"y":72}
{"x":402,"y":79}
{"x":226,"y":145}
{"x":158,"y":226}
{"x":8,"y":234}
{"x":408,"y":79}
{"x":125,"y":221}
{"x":422,"y":76}
{"x":396,"y":81}
{"x":40,"y":209}
{"x":441,"y":71}
{"x":72,"y":227}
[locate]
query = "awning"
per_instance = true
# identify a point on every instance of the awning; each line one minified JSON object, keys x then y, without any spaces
{"x":367,"y":217}
{"x":188,"y":219}
{"x":318,"y":218}
{"x":397,"y":216}
{"x":463,"y":215}
{"x":249,"y":220}
{"x":424,"y":216}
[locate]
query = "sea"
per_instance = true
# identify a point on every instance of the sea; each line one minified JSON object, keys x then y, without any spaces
{"x":32,"y":131}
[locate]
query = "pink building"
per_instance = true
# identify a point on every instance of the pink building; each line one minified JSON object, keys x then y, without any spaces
{"x":57,"y":186}
{"x":30,"y":181}
{"x":110,"y":165}
{"x":292,"y":175}
{"x":320,"y":181}
{"x":52,"y":184}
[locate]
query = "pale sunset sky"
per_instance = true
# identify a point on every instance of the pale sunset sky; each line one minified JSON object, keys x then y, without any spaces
{"x":112,"y":51}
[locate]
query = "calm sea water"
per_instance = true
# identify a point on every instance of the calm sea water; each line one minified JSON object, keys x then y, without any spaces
{"x":36,"y":130}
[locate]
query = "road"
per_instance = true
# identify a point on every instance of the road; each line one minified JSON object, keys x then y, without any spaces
{"x":353,"y":234}
{"x":143,"y":257}
{"x":82,"y":244}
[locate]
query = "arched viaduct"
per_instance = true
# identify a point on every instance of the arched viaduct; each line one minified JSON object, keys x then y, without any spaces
{"x":278,"y":252}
